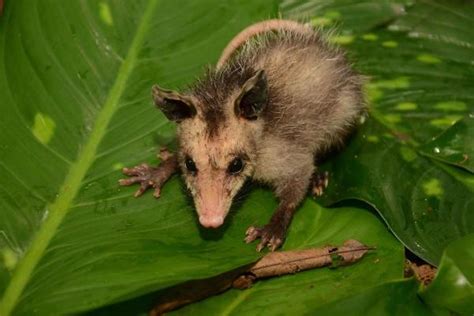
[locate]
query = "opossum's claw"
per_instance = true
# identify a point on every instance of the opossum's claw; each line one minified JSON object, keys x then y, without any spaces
{"x":319,"y":182}
{"x":165,"y":154}
{"x":271,"y":236}
{"x":144,"y":185}
{"x":157,"y":192}
{"x":261,"y":245}
{"x":252,"y":234}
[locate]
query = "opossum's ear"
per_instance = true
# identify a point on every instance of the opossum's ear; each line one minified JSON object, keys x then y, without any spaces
{"x":253,"y":97}
{"x":174,"y":106}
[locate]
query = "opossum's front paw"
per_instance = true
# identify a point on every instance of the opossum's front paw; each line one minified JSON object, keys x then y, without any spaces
{"x":319,"y":182}
{"x":271,"y":236}
{"x":144,"y":175}
{"x":151,"y":177}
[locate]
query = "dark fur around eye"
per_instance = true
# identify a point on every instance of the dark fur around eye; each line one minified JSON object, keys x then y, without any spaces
{"x":235,"y":166}
{"x":190,"y":165}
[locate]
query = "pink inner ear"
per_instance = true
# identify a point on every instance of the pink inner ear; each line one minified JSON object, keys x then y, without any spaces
{"x":254,"y":97}
{"x":175,"y":107}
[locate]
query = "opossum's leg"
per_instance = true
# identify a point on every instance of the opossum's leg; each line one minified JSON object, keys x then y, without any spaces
{"x":290,"y":193}
{"x":319,"y":182}
{"x":148,"y":176}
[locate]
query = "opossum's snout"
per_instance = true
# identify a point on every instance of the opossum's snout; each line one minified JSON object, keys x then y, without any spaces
{"x":212,"y":204}
{"x":213,"y":221}
{"x":213,"y":188}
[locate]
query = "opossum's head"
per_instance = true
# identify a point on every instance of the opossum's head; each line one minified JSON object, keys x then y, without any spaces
{"x":219,"y":123}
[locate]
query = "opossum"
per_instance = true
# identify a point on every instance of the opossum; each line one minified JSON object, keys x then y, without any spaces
{"x":280,"y":97}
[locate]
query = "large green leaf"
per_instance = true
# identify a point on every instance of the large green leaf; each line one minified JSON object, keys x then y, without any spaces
{"x":74,"y":89}
{"x":419,"y":60}
{"x":453,"y":287}
{"x":310,"y":289}
{"x":370,"y":287}
{"x":75,"y":80}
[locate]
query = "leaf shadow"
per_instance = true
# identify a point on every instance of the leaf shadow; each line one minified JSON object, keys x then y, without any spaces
{"x":173,"y":297}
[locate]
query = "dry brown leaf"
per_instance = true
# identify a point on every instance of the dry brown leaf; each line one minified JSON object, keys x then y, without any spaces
{"x":273,"y":264}
{"x":288,"y":262}
{"x":424,"y":273}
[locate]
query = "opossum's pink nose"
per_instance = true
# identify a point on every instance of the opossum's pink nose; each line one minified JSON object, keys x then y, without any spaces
{"x":211,"y":221}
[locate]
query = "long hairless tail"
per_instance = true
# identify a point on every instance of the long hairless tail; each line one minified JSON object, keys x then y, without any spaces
{"x":256,"y":29}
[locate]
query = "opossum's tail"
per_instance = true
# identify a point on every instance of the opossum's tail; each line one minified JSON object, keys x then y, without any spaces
{"x":256,"y":29}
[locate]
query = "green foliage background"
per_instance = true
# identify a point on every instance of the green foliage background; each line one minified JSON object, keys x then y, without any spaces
{"x":75,"y":80}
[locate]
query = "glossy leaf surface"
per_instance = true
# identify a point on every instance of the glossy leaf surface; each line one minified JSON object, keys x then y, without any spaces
{"x":455,"y":145}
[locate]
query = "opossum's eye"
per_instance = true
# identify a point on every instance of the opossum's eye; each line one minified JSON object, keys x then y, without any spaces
{"x":235,"y":166}
{"x":190,"y":165}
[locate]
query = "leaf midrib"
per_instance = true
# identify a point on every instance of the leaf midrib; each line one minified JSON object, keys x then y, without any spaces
{"x":72,"y":183}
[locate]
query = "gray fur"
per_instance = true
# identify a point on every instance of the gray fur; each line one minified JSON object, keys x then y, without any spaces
{"x":313,"y":100}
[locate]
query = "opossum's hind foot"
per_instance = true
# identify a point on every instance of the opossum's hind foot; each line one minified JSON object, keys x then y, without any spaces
{"x":271,"y":235}
{"x":319,"y":182}
{"x":151,"y":177}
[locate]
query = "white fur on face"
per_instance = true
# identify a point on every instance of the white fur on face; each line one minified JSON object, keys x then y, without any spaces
{"x":212,"y":187}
